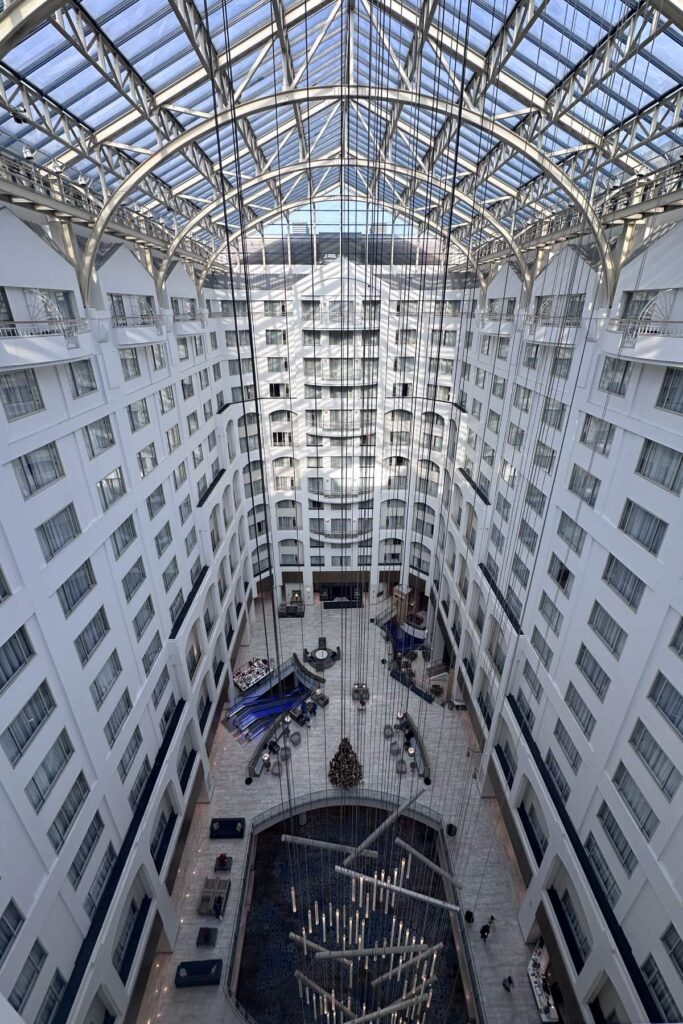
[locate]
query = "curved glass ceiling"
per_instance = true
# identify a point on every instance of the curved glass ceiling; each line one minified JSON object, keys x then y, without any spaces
{"x":249,"y":112}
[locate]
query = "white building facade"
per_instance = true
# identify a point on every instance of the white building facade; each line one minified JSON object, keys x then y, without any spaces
{"x":514,"y":459}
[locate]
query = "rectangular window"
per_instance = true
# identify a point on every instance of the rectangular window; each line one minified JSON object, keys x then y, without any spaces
{"x":553,"y":413}
{"x":597,"y":434}
{"x":541,"y":647}
{"x":85,"y":850}
{"x":49,"y":770}
{"x":81,"y":378}
{"x":170,"y":574}
{"x":14,"y":654}
{"x":143,"y":618}
{"x":661,"y":465}
{"x":568,"y":746}
{"x":674,"y":947}
{"x":158,"y":356}
{"x":27,"y":978}
{"x":595,"y":675}
{"x":602,"y":869}
{"x":671,"y":392}
{"x":76,"y":797}
{"x":528,"y":536}
{"x":163,"y":539}
{"x":133,"y":579}
{"x":562,"y":576}
{"x":156,"y":501}
{"x":636,"y":802}
{"x":10,"y":926}
{"x":550,"y":612}
{"x":521,"y":397}
{"x":615,"y":376}
{"x":99,"y":436}
{"x":503,"y":507}
{"x":58,"y":531}
{"x":117,"y":718}
{"x":662,"y":768}
{"x":173,"y":438}
{"x":130,"y":364}
{"x":160,"y":687}
{"x":38,"y":469}
{"x":110,"y":488}
{"x":558,"y":777}
{"x":544,"y":456}
{"x":520,"y":570}
{"x":642,"y":526}
{"x":533,"y":680}
{"x":105,"y":678}
{"x":139,"y":784}
{"x":166,"y":399}
{"x":184,"y":509}
{"x":24,"y":726}
{"x":609,"y":631}
{"x":138,"y":414}
{"x":147,"y":459}
{"x":123,"y":537}
{"x":618,"y":840}
{"x":570,"y":531}
{"x":669,"y":701}
{"x":20,"y":394}
{"x":668,"y":1008}
{"x":74,"y":589}
{"x":179,"y":475}
{"x":99,"y":881}
{"x":676,"y":644}
{"x":128,"y":756}
{"x":580,"y":710}
{"x":87,"y":641}
{"x":623,"y":581}
{"x":535,"y":498}
{"x":584,"y":485}
{"x":151,"y":654}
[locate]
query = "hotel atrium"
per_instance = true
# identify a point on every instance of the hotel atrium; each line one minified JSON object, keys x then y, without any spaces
{"x":341,"y":575}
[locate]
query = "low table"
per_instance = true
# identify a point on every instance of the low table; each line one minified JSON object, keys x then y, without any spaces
{"x":207,"y":936}
{"x":227,"y":828}
{"x":321,"y":656}
{"x":198,"y":972}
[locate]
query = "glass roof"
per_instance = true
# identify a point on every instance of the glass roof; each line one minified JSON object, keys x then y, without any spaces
{"x":433,"y":112}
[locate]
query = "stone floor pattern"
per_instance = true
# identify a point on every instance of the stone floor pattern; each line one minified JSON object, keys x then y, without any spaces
{"x":485,"y":866}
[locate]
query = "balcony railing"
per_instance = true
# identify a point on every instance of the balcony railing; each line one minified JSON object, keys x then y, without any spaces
{"x":133,"y":939}
{"x":191,"y":315}
{"x":43,"y":328}
{"x":350,"y":534}
{"x":352,"y":320}
{"x":343,"y":492}
{"x":632,"y":329}
{"x":550,"y":320}
{"x":139,"y":320}
{"x":490,"y":316}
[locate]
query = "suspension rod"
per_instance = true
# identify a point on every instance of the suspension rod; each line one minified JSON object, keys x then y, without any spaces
{"x":425,"y":860}
{"x":382,"y":828}
{"x":319,"y":949}
{"x":318,"y":844}
{"x":334,"y":954}
{"x":300,"y":976}
{"x":396,"y":888}
{"x":386,"y":1011}
{"x":408,"y":964}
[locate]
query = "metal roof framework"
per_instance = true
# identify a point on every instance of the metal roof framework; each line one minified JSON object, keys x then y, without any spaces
{"x":473,"y":119}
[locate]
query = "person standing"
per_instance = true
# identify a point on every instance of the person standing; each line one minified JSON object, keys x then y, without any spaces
{"x":484,"y":931}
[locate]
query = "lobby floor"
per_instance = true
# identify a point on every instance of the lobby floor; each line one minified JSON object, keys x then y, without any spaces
{"x":481,"y":854}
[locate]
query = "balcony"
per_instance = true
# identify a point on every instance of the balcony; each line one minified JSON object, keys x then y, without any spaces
{"x":645,"y":340}
{"x":351,"y":320}
{"x":159,"y":853}
{"x":133,"y":940}
{"x":340,"y":493}
{"x":548,"y":329}
{"x":184,"y":776}
{"x":31,"y":342}
{"x":195,"y":317}
{"x":575,"y":950}
{"x":137,"y":329}
{"x":343,"y":535}
{"x":538,"y":847}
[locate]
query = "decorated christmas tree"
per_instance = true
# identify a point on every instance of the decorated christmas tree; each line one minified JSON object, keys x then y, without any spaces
{"x":345,"y":768}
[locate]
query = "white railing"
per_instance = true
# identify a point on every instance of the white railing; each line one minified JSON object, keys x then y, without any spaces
{"x":139,"y":320}
{"x":42,"y":328}
{"x":534,"y":320}
{"x":632,"y":329}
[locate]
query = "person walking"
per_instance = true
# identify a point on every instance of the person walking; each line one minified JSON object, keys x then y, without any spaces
{"x":492,"y":921}
{"x":508,"y":983}
{"x":218,"y":908}
{"x":484,"y":931}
